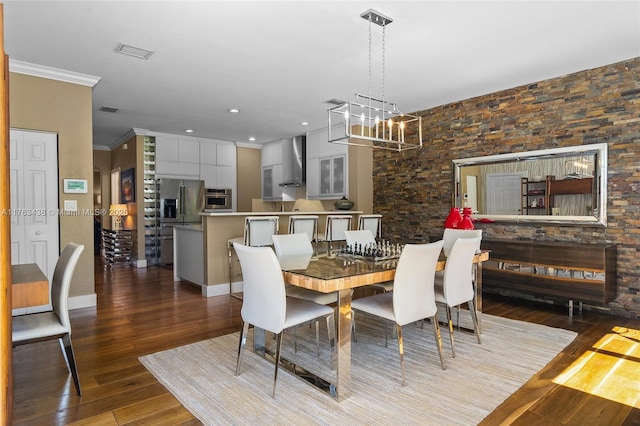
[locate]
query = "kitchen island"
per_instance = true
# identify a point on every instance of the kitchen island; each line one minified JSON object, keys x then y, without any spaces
{"x":218,"y":228}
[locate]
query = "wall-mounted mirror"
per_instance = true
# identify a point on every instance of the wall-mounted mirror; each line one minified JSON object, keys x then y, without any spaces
{"x":560,"y":185}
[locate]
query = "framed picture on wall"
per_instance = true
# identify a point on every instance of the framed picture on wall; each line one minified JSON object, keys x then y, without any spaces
{"x":127,"y":186}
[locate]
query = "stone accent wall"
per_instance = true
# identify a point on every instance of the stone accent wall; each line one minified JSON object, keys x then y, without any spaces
{"x":413,"y":190}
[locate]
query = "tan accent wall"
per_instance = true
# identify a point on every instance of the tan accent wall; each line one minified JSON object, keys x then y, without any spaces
{"x":126,"y":159}
{"x":63,"y":108}
{"x":102,"y":164}
{"x":249,"y":172}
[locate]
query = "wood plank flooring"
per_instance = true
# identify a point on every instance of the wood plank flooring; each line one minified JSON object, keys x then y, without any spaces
{"x":141,"y":311}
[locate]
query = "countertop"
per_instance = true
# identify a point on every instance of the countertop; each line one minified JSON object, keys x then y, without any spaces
{"x":325,"y":212}
{"x":197,"y":228}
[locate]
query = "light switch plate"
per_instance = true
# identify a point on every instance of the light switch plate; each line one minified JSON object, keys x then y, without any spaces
{"x":71,"y":205}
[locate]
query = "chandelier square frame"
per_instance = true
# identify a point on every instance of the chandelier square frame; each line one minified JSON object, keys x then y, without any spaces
{"x":374,"y":124}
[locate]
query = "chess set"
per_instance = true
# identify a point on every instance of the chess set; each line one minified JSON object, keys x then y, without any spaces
{"x":380,"y":251}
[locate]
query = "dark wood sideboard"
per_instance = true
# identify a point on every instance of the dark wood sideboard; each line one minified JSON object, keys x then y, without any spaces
{"x":557,"y":271}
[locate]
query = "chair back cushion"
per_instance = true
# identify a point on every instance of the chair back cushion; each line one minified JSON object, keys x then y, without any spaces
{"x":292,"y":244}
{"x":413,"y":286}
{"x":451,"y":235}
{"x":372,"y":222}
{"x":307,"y":224}
{"x":258,"y":230}
{"x":457,"y":281}
{"x":62,"y":275}
{"x":336,"y":225}
{"x":363,"y":237}
{"x":264,"y":301}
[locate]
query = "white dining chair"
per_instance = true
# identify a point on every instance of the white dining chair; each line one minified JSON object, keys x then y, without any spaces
{"x":53,"y":324}
{"x":362,"y":237}
{"x":266,"y":305}
{"x":413,"y":297}
{"x":257,"y":233}
{"x":307,"y":224}
{"x":450,"y":235}
{"x":334,"y":229}
{"x":455,"y":285}
{"x":286,"y":245}
{"x":372,"y":222}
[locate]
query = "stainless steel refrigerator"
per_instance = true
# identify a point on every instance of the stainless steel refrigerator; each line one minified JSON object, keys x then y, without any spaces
{"x":181,"y":202}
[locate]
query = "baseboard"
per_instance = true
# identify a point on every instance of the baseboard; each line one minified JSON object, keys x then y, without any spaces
{"x":220,"y":289}
{"x":85,"y":301}
{"x":139,"y":263}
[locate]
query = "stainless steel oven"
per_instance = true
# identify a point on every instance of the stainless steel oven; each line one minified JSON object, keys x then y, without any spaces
{"x":217,"y":199}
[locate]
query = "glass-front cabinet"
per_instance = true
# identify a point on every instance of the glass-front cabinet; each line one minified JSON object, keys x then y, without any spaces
{"x":332,"y":176}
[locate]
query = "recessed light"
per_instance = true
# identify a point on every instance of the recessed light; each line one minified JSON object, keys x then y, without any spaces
{"x":304,"y":123}
{"x":252,"y":139}
{"x":188,"y":131}
{"x":234,"y":110}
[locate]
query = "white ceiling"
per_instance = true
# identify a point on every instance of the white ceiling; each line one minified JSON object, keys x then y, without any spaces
{"x":278,"y":62}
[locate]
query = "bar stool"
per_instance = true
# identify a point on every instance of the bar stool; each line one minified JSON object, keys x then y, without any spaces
{"x":307,"y":224}
{"x":334,"y":230}
{"x":258,"y":232}
{"x":372,"y":222}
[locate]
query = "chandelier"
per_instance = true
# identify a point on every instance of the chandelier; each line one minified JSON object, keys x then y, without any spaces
{"x":374,"y":122}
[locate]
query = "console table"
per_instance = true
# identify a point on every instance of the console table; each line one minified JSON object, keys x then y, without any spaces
{"x":561,"y":271}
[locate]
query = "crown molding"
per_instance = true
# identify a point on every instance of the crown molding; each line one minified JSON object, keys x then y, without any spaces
{"x":52,"y":73}
{"x":101,"y":148}
{"x":249,"y":145}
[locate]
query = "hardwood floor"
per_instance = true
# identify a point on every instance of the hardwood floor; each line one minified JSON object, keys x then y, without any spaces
{"x":141,"y":311}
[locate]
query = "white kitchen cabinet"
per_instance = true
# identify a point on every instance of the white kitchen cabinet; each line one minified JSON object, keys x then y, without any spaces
{"x":271,"y":153}
{"x":177,"y":157}
{"x":271,"y":178}
{"x":218,"y":164}
{"x":332,"y":176}
{"x":327,"y":167}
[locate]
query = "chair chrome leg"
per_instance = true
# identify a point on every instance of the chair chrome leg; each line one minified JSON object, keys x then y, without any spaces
{"x":275,"y":374}
{"x":318,"y":337}
{"x":474,"y":318}
{"x":438,"y":337}
{"x":241,"y":344}
{"x":354,"y":336}
{"x":237,"y":296}
{"x":450,"y":321}
{"x":401,"y":351}
{"x":67,"y":351}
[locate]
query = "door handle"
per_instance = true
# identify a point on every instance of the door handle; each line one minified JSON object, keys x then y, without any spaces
{"x":38,"y":232}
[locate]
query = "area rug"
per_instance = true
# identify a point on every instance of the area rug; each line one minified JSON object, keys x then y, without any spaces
{"x":481,"y":376}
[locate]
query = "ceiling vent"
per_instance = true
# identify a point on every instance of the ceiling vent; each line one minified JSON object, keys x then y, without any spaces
{"x":335,"y":101}
{"x":136,"y":52}
{"x":109,"y":109}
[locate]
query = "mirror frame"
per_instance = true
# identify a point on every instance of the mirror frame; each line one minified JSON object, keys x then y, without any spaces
{"x":600,"y":169}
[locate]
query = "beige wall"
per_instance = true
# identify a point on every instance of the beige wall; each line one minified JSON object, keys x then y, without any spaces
{"x":63,"y":108}
{"x":102,"y":164}
{"x":125,"y":159}
{"x":249,"y":177}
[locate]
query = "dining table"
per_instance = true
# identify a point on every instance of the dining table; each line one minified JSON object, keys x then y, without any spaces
{"x":342,"y":273}
{"x":29,"y":286}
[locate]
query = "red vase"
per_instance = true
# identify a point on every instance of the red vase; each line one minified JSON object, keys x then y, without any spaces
{"x":454,"y":218}
{"x":467,"y":221}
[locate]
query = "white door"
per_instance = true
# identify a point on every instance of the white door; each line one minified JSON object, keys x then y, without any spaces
{"x":503,"y":193}
{"x":34,"y":199}
{"x":471,"y":196}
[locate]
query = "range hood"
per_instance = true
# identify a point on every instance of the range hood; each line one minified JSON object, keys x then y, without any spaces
{"x":294,"y":157}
